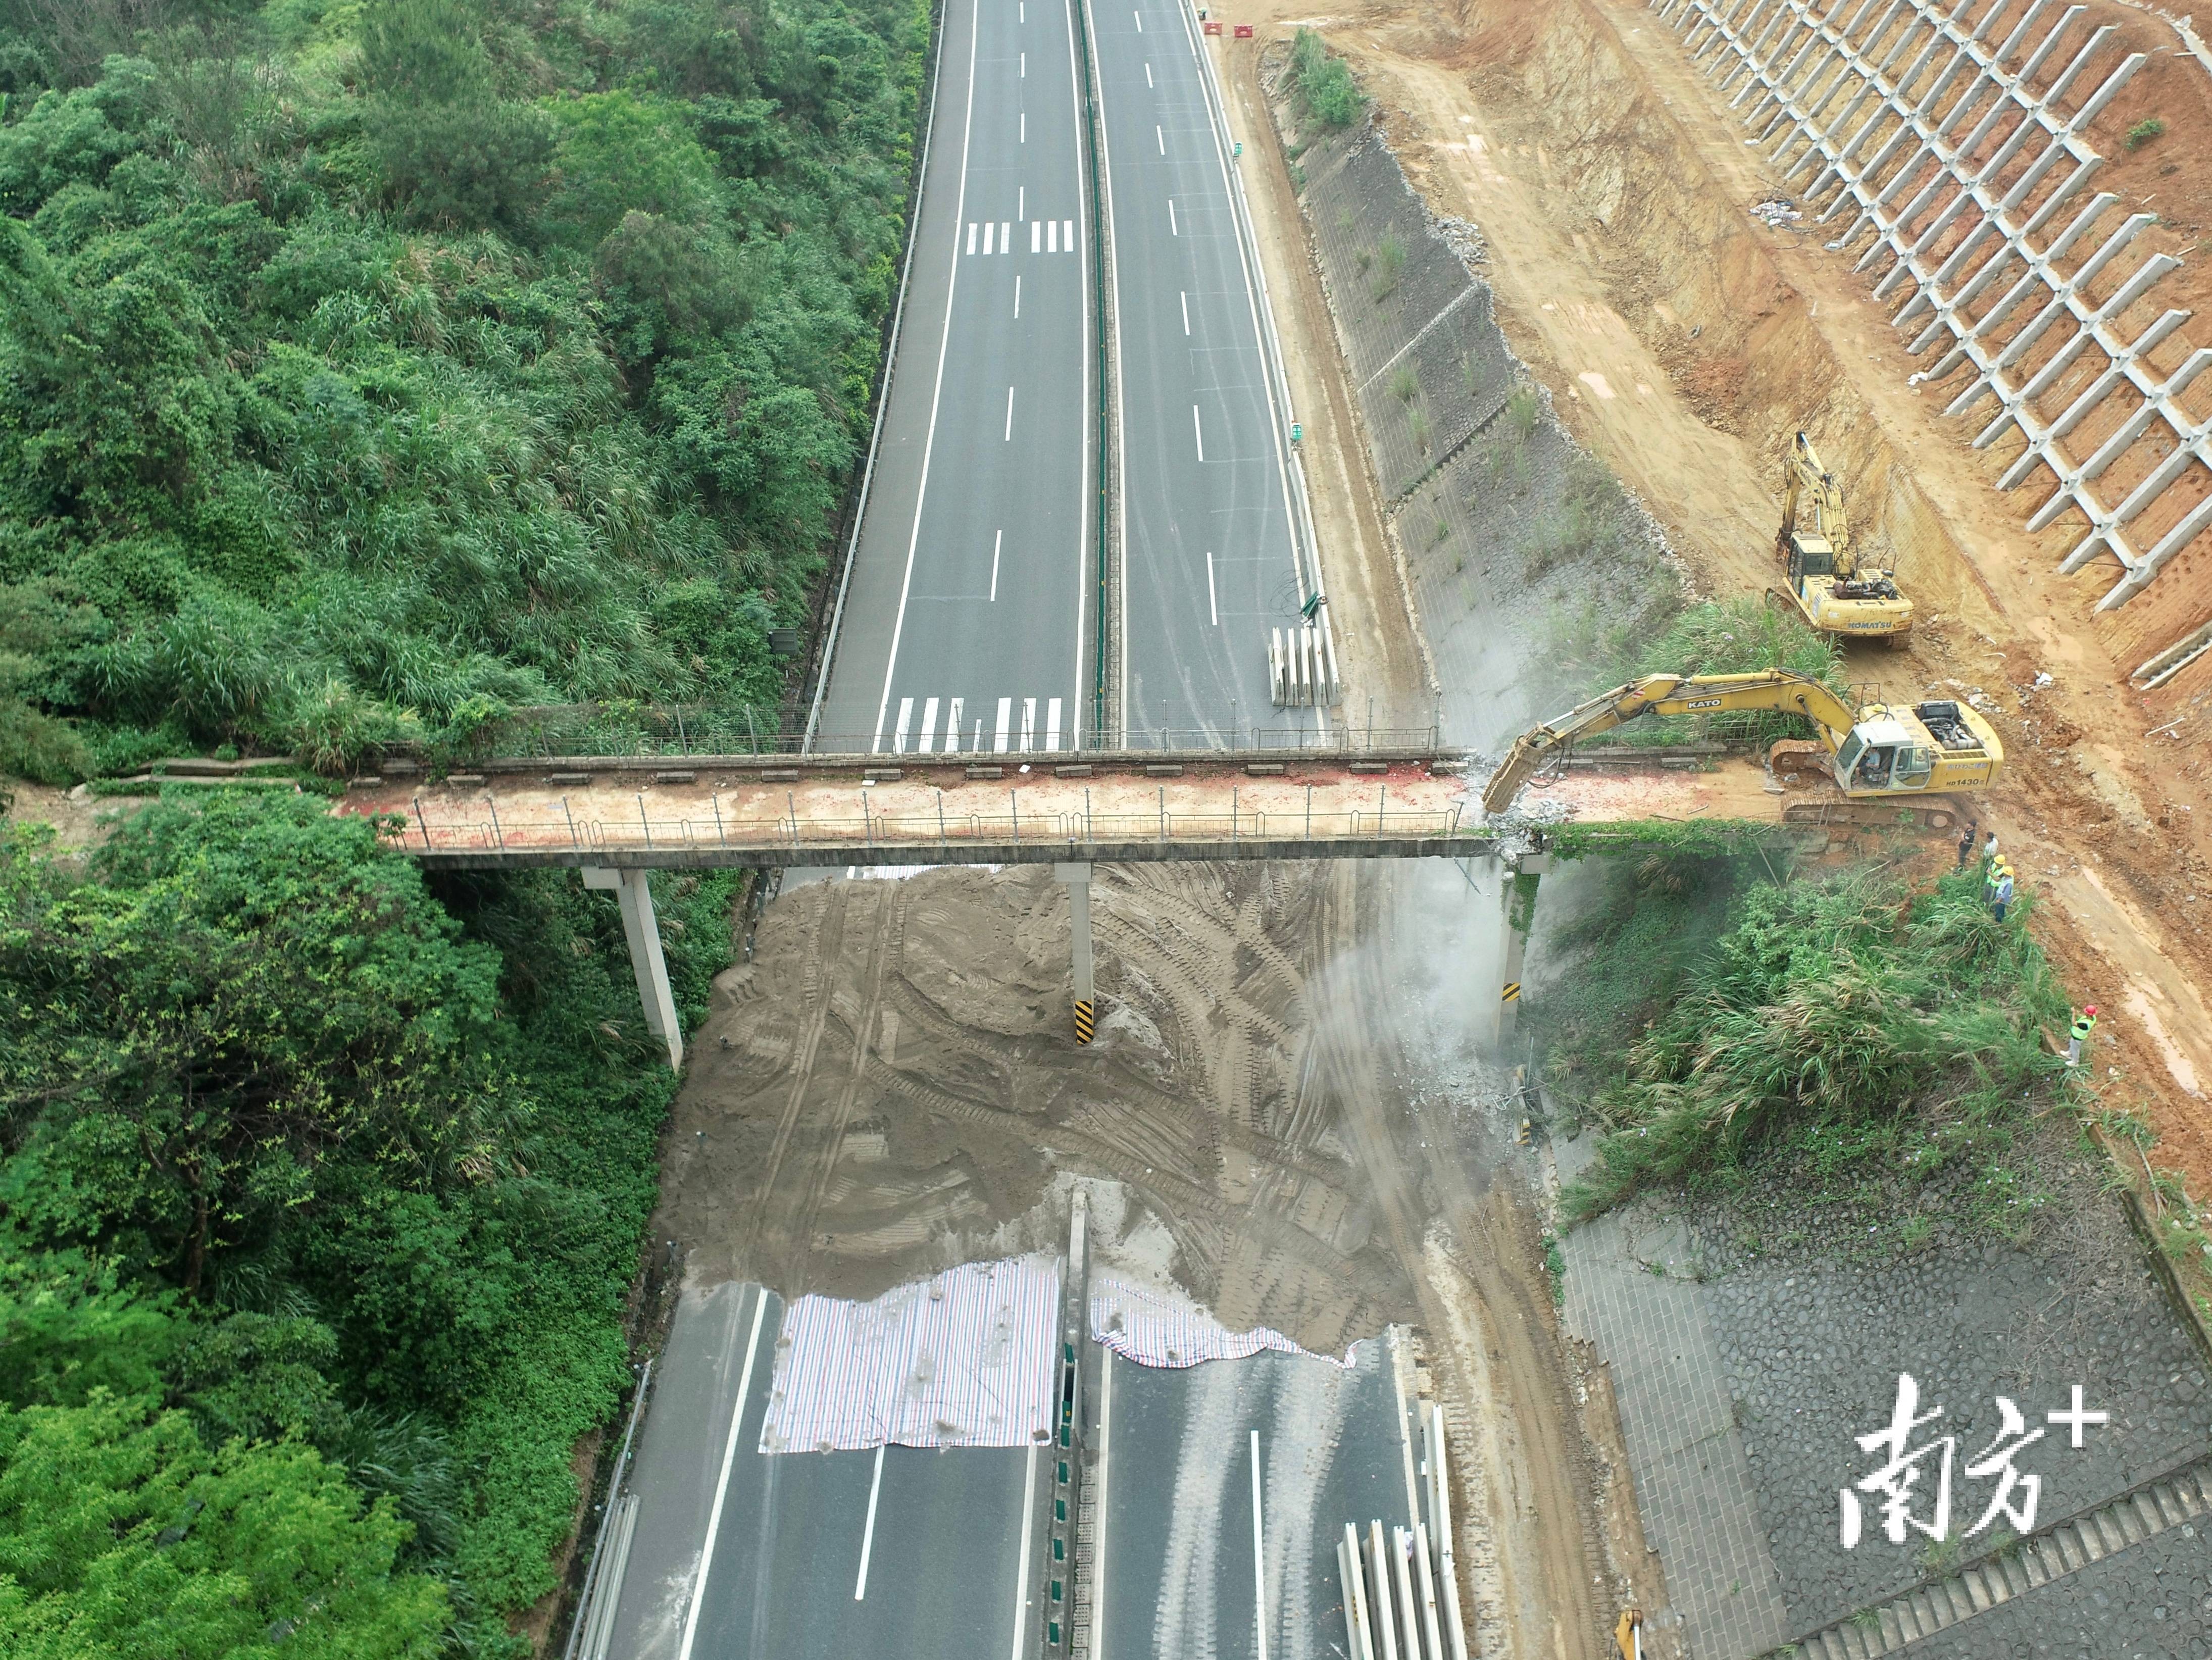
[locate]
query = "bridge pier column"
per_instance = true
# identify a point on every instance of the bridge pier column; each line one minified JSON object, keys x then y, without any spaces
{"x":643,"y":928}
{"x":1078,"y":878}
{"x":1517,"y":884}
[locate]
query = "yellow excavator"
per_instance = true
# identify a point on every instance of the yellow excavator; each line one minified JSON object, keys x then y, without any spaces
{"x":1828,"y":584}
{"x":1879,"y":757}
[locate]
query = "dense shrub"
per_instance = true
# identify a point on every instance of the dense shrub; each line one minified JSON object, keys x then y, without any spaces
{"x":1324,"y":82}
{"x":360,"y":366}
{"x":297,"y":1158}
{"x":1861,"y":1018}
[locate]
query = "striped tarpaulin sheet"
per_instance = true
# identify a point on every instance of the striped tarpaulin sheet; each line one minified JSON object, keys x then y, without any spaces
{"x":963,"y":1359}
{"x":1158,"y":1328}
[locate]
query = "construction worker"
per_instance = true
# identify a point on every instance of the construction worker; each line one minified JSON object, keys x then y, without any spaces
{"x":2001,"y":895}
{"x":1990,"y":850}
{"x":1966,"y":844}
{"x":2084,"y":1024}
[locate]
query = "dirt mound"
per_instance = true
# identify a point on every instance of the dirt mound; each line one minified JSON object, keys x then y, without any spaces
{"x":889,"y":1086}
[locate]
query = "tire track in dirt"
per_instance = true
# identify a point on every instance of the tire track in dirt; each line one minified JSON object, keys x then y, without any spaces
{"x":883,"y":949}
{"x":820,"y":974}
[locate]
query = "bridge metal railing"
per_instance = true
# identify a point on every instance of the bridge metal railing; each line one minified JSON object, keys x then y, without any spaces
{"x":478,"y":826}
{"x":618,"y":731}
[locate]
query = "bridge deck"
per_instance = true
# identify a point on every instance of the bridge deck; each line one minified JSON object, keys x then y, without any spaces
{"x":1122,"y":808}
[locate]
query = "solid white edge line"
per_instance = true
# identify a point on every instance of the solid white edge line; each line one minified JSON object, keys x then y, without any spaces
{"x":1098,"y":1537}
{"x":1121,"y":554}
{"x":868,"y":1533}
{"x":1022,"y":1555}
{"x":722,"y":1485}
{"x":1259,"y":1560}
{"x":1255,"y":281}
{"x":937,"y":392}
{"x":883,"y":398}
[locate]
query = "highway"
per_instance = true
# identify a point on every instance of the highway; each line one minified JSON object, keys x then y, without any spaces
{"x":1178,"y":1567}
{"x":1207,"y":564}
{"x":809,"y":1556}
{"x":963,"y":623}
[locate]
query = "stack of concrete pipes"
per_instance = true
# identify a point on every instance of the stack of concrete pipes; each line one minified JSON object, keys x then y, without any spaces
{"x":1402,"y":1593}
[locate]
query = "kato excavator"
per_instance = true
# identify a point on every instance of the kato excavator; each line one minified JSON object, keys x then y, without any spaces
{"x":1835,"y":593}
{"x":1877,"y":758}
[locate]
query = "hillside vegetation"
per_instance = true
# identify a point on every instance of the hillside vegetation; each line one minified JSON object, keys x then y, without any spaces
{"x":1855,"y":1025}
{"x":370,"y":368}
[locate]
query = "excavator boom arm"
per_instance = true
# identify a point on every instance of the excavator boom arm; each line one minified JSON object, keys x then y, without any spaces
{"x":1805,"y":477}
{"x":1666,"y":694}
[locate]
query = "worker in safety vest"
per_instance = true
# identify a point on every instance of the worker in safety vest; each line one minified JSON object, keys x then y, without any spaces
{"x":2001,"y":895}
{"x":2084,"y":1024}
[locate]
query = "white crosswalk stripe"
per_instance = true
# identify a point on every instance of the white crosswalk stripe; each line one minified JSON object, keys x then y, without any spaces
{"x":997,"y":236}
{"x":1011,"y":733}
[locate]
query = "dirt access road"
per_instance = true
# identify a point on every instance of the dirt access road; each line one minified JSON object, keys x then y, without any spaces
{"x":1684,"y":342}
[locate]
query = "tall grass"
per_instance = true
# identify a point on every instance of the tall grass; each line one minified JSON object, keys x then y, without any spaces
{"x":1863,"y":1017}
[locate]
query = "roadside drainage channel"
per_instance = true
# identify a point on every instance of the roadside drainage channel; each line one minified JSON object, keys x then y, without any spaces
{"x":2052,"y":1555}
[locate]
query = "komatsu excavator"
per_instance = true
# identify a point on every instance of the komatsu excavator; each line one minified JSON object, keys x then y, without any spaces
{"x":1879,"y":757}
{"x":1835,"y":593}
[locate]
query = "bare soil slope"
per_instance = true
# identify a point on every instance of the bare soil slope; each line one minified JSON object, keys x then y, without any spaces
{"x":1684,"y":341}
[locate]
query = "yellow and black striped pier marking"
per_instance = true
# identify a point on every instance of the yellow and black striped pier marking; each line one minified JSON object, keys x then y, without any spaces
{"x":1086,"y":1022}
{"x":1512,"y":993}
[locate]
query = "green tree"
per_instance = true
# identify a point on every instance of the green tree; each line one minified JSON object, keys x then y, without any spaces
{"x":248,"y":985}
{"x":452,"y":151}
{"x":122,"y":1535}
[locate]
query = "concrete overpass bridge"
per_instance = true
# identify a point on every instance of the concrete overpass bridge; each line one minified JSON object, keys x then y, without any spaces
{"x":617,"y":818}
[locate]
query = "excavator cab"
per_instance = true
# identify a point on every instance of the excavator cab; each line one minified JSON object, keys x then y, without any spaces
{"x":1809,"y":555}
{"x":1882,"y":755}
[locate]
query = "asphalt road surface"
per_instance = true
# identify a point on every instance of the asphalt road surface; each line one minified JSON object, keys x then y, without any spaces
{"x":809,"y":1556}
{"x":1208,"y":561}
{"x":1177,"y":1570}
{"x":966,"y":617}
